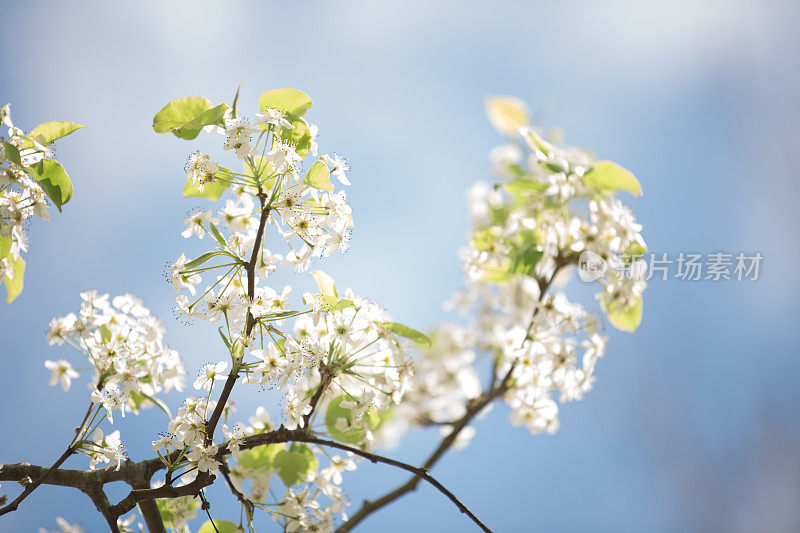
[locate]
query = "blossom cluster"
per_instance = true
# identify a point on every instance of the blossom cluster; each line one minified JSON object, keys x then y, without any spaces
{"x":130,"y":362}
{"x":21,"y":196}
{"x":338,"y":361}
{"x":552,"y":204}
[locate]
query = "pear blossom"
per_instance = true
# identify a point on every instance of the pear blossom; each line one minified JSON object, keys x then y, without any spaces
{"x":208,"y":374}
{"x":62,"y":372}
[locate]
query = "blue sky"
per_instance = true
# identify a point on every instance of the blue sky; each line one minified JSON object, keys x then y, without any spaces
{"x":693,"y":423}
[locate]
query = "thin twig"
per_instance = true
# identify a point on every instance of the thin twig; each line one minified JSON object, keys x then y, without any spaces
{"x":473,"y":408}
{"x":41,"y":479}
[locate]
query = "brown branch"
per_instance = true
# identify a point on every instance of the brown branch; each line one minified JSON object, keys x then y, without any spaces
{"x":250,"y":269}
{"x":45,"y":475}
{"x":325,"y":380}
{"x":247,"y":504}
{"x":419,"y":473}
{"x":30,"y":487}
{"x":473,"y":408}
{"x":100,"y":501}
{"x":149,"y":509}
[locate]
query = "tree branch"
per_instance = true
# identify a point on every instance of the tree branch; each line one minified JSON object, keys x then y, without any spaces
{"x":250,"y":269}
{"x":247,"y":504}
{"x":419,"y":473}
{"x":473,"y":408}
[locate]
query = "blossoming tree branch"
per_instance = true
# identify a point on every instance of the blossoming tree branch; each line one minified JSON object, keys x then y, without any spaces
{"x":342,"y":366}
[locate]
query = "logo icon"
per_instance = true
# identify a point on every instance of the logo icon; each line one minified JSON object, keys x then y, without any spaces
{"x":591,"y":266}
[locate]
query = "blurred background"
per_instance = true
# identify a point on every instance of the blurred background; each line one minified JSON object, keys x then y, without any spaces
{"x":693,"y":424}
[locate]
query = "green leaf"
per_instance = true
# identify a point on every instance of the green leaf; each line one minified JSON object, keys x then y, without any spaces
{"x":225,"y":339}
{"x":260,"y":171}
{"x":636,"y":249}
{"x":344,"y":303}
{"x":139,"y":399}
{"x":487,"y":239}
{"x":105,"y":333}
{"x":280,"y":344}
{"x":235,"y":105}
{"x":407,"y":332}
{"x":524,"y":186}
{"x":260,"y":457}
{"x":5,"y":244}
{"x":525,"y":259}
{"x":299,"y":135}
{"x":212,"y":190}
{"x":608,"y":176}
{"x":319,"y":177}
{"x":167,"y":514}
{"x":53,"y":180}
{"x":48,"y":132}
{"x":12,"y":154}
{"x":14,"y":286}
{"x":178,"y":112}
{"x":336,"y":412}
{"x":295,"y":463}
{"x":191,"y":129}
{"x":217,"y":235}
{"x":288,"y":100}
{"x":219,"y":526}
{"x":496,"y":274}
{"x":625,"y":319}
{"x":194,"y":263}
{"x":536,"y":142}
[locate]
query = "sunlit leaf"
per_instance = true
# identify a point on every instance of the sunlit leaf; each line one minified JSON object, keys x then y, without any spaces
{"x":507,"y":114}
{"x":219,"y":526}
{"x":608,"y":176}
{"x":53,"y":180}
{"x":14,"y":286}
{"x":319,"y":177}
{"x":48,"y":132}
{"x":179,"y":112}
{"x":336,"y":416}
{"x":325,"y":283}
{"x":294,"y":464}
{"x":288,"y":100}
{"x":407,"y":332}
{"x":625,"y":319}
{"x":210,"y":117}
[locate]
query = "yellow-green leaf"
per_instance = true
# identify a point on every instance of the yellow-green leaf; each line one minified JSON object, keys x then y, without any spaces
{"x":179,"y":112}
{"x":288,"y":100}
{"x":5,"y":244}
{"x":325,"y":283}
{"x":535,"y":141}
{"x":48,"y":132}
{"x":260,"y":457}
{"x":507,"y":114}
{"x":407,"y":332}
{"x":14,"y":286}
{"x":12,"y":153}
{"x":626,"y":319}
{"x":219,"y":526}
{"x":319,"y":177}
{"x":608,"y":176}
{"x":294,"y":464}
{"x":212,"y":190}
{"x":53,"y":180}
{"x":336,"y":415}
{"x":299,"y":135}
{"x":191,"y":129}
